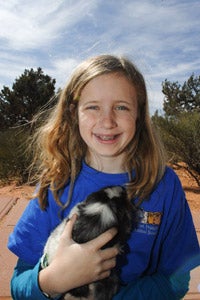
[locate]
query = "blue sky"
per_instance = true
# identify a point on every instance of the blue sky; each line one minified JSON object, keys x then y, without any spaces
{"x":162,"y":37}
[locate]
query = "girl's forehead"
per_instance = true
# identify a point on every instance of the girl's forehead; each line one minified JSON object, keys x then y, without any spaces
{"x":113,"y":83}
{"x":115,"y":76}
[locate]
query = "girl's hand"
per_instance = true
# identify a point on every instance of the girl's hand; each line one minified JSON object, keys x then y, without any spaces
{"x":78,"y":264}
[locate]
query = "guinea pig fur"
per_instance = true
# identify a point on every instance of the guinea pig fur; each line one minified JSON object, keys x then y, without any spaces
{"x":100,"y":211}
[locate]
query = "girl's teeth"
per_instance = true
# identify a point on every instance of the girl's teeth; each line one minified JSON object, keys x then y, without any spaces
{"x":106,"y":138}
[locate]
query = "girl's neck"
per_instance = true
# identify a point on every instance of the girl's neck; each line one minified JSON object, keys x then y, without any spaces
{"x":112,"y":165}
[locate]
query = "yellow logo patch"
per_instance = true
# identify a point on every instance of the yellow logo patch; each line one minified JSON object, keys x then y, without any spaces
{"x":148,"y":217}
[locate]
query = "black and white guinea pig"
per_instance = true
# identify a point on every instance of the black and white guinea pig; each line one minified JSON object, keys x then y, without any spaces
{"x":100,"y":211}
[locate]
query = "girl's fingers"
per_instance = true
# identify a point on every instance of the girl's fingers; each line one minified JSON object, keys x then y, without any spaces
{"x":103,"y":260}
{"x":96,"y":243}
{"x":105,"y":270}
{"x":104,"y":275}
{"x":103,"y":239}
{"x":67,"y":233}
{"x":109,"y":253}
{"x":108,"y":264}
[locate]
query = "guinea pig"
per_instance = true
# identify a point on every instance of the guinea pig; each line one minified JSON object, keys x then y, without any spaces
{"x":100,"y":211}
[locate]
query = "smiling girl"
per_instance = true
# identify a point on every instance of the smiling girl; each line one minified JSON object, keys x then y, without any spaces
{"x":100,"y":134}
{"x":107,"y":120}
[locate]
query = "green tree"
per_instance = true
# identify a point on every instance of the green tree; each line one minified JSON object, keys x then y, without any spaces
{"x":30,"y":91}
{"x":14,"y":159}
{"x":178,"y":99}
{"x":180,"y":124}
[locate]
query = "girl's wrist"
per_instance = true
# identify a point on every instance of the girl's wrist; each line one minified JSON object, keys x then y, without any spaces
{"x":47,"y":285}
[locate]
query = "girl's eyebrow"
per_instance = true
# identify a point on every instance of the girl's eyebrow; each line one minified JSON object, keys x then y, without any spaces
{"x":99,"y":101}
{"x":90,"y":102}
{"x":122,"y":101}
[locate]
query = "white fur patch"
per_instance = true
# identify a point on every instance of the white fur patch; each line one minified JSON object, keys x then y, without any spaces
{"x":113,"y":192}
{"x":53,"y":242}
{"x":100,"y":209}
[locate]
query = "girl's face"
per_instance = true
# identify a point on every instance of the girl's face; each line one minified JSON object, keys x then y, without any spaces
{"x":107,"y":113}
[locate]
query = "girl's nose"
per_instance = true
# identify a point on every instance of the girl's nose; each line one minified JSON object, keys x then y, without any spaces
{"x":107,"y":119}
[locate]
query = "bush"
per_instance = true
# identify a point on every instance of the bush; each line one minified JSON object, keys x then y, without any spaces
{"x":14,"y":159}
{"x":182,"y":140}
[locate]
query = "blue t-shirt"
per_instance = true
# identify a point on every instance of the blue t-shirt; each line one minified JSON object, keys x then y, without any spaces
{"x":162,"y":250}
{"x":164,"y":242}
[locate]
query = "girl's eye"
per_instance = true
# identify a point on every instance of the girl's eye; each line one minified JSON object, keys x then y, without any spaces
{"x":121,"y":107}
{"x":92,"y":107}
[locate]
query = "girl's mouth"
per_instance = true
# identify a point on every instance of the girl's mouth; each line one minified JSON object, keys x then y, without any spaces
{"x":107,"y":137}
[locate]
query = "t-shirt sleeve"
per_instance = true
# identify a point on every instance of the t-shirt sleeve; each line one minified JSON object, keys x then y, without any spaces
{"x":24,"y":283}
{"x":23,"y":274}
{"x":30,"y":233}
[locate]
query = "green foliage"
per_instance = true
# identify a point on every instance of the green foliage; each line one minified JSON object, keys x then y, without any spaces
{"x":30,"y":91}
{"x":180,"y":125}
{"x":179,"y":99}
{"x":14,"y":158}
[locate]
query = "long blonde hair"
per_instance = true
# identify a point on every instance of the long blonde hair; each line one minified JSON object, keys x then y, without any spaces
{"x":59,"y":148}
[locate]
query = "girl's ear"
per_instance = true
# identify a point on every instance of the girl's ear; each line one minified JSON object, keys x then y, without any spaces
{"x":72,"y":107}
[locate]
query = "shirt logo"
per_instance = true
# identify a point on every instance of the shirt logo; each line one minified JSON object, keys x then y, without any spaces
{"x":148,"y":217}
{"x":149,"y":222}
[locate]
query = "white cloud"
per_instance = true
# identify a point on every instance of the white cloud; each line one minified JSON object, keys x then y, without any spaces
{"x":61,"y":70}
{"x":32,"y":24}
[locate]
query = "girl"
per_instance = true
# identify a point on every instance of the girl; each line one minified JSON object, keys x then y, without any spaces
{"x":99,"y":134}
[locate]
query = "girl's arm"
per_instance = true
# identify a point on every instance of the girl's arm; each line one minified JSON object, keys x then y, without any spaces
{"x":24,"y":283}
{"x":157,"y":286}
{"x":74,"y":265}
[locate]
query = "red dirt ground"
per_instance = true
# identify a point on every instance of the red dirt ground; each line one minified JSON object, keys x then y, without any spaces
{"x":190,"y":186}
{"x":192,"y":190}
